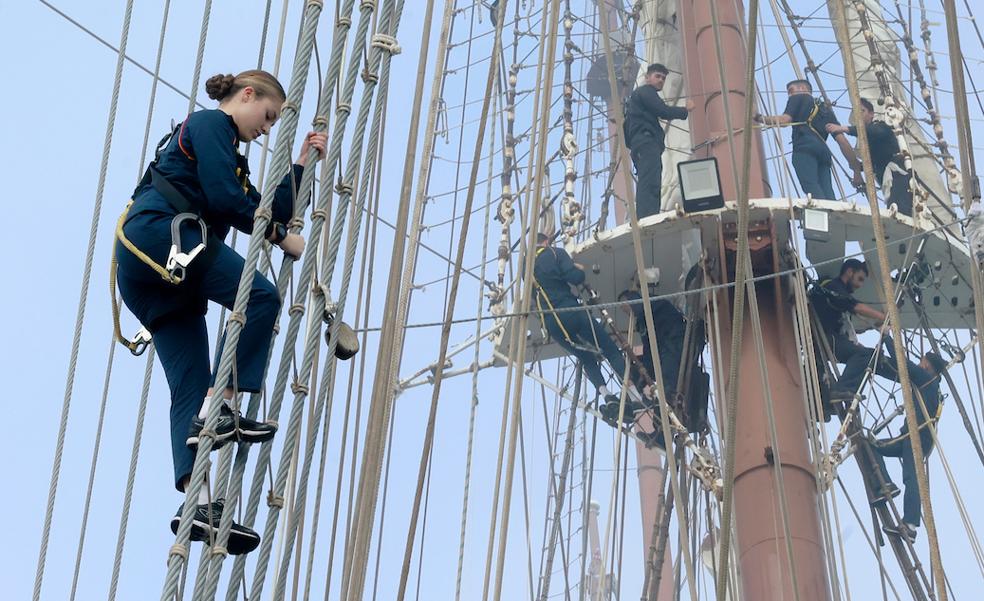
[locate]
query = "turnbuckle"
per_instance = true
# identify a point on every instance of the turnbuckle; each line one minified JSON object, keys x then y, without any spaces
{"x":177,"y":261}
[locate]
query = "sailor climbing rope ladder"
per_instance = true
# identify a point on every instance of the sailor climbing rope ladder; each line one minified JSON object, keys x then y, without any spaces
{"x":171,"y":260}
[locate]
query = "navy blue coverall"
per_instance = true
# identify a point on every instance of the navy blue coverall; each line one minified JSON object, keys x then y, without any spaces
{"x":670,"y":331}
{"x":646,"y":139}
{"x":885,"y":154}
{"x":201,"y":163}
{"x":900,"y":446}
{"x":554,"y":272}
{"x":811,"y":157}
{"x":834,"y":302}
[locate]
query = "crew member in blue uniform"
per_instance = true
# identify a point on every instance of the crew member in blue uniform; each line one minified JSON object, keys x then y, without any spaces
{"x":201,"y":175}
{"x":671,"y":328}
{"x":925,"y":379}
{"x":554,"y":272}
{"x":645,"y":138}
{"x":834,"y":302}
{"x":811,"y":157}
{"x":886,"y":159}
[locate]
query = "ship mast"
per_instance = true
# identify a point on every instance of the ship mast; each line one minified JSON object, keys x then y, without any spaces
{"x":714,"y":50}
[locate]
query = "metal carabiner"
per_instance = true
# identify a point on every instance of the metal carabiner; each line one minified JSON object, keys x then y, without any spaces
{"x":138,"y":344}
{"x":178,"y":261}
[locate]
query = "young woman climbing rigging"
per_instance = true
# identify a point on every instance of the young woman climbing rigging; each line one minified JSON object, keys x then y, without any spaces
{"x":172,"y":260}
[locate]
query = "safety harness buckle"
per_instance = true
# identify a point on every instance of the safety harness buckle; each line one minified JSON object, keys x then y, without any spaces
{"x":177,"y":261}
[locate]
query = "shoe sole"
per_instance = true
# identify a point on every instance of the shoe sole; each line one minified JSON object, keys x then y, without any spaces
{"x":239,"y":542}
{"x":220,"y":440}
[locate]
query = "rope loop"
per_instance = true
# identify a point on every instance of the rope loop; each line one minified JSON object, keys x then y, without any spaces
{"x":276,"y":329}
{"x":219,"y":551}
{"x":179,"y":550}
{"x":367,"y":5}
{"x":298,"y":388}
{"x":263,"y":213}
{"x":343,"y":107}
{"x":296,"y":309}
{"x":295,"y":223}
{"x":344,"y":187}
{"x":319,"y":214}
{"x":288,"y":106}
{"x":274,"y":500}
{"x":238,"y":317}
{"x":319,"y":4}
{"x":343,"y":22}
{"x":272,"y":422}
{"x":386,"y":43}
{"x":319,"y":120}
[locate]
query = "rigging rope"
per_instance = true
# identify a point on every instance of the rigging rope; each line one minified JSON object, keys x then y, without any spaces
{"x":83,"y":298}
{"x":893,"y":311}
{"x":281,"y":159}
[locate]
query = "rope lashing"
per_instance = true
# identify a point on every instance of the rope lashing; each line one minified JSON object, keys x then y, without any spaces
{"x":238,"y":317}
{"x":274,"y":500}
{"x":219,"y":551}
{"x":299,"y":388}
{"x":296,"y":309}
{"x":179,"y":551}
{"x":343,"y":109}
{"x":386,"y":43}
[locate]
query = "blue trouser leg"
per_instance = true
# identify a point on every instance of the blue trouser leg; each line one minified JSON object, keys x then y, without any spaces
{"x":824,"y":167}
{"x":648,"y":161}
{"x":181,"y":342}
{"x":220,"y":284}
{"x":583,"y":332}
{"x":900,"y":194}
{"x":813,"y":171}
{"x":902,"y":448}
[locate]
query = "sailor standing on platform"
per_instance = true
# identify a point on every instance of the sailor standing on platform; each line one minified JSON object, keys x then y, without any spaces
{"x":645,"y":138}
{"x":925,"y":379}
{"x":834,"y":302}
{"x":886,"y":160}
{"x":554,"y":272}
{"x":173,"y":261}
{"x":811,"y":157}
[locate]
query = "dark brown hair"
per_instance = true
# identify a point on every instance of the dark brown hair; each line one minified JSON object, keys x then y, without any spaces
{"x":220,"y":87}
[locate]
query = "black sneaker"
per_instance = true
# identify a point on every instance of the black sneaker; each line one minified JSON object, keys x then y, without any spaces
{"x":903,"y":530}
{"x":231,"y":425}
{"x":889,"y":491}
{"x":205,"y":524}
{"x":609,"y":411}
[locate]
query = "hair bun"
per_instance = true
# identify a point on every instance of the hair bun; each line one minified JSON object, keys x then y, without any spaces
{"x":218,"y":86}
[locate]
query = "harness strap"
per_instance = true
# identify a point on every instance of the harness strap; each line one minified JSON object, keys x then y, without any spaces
{"x":539,"y":305}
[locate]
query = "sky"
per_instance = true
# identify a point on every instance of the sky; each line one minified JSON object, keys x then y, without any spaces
{"x":56,"y":114}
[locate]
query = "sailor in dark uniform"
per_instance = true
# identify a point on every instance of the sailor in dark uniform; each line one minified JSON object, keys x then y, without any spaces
{"x":834,"y":303}
{"x":645,"y":138}
{"x":671,"y":328}
{"x":554,"y":273}
{"x":925,"y":378}
{"x":811,"y":157}
{"x":886,"y":159}
{"x":201,"y":175}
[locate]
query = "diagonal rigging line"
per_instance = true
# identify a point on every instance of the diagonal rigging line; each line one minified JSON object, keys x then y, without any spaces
{"x":126,"y":57}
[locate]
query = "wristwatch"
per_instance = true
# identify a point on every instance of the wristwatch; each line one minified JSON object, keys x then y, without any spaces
{"x":276,"y":232}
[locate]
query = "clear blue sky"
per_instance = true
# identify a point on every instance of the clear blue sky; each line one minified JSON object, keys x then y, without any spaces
{"x":59,"y":83}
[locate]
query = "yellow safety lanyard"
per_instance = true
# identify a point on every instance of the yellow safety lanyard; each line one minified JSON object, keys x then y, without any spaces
{"x":540,"y":293}
{"x":933,"y":420}
{"x":142,"y":338}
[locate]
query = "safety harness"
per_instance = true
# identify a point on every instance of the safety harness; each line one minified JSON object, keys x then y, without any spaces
{"x":541,"y":297}
{"x":174,"y":271}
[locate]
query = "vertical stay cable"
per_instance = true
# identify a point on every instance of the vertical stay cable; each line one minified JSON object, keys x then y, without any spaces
{"x":178,"y":554}
{"x":83,"y":298}
{"x":357,"y":556}
{"x":936,"y":565}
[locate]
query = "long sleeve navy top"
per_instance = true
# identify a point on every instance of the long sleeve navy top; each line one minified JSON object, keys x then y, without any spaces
{"x":202,"y":162}
{"x":555,"y":272}
{"x":644,"y":110}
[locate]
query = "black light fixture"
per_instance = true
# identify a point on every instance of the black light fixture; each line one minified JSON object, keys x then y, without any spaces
{"x":700,"y":185}
{"x":816,"y":225}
